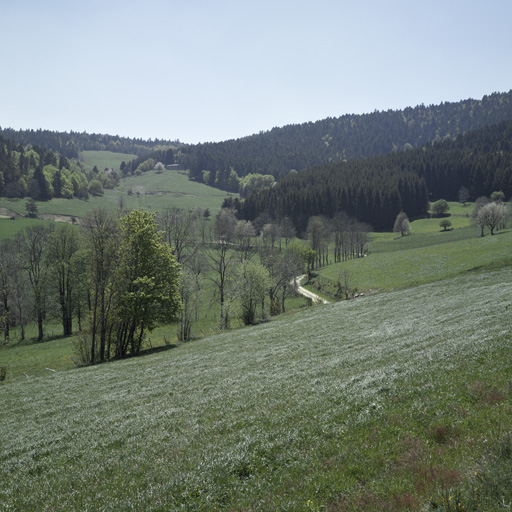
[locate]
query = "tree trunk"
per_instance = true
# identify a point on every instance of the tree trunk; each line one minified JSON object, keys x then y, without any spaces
{"x":40,"y":318}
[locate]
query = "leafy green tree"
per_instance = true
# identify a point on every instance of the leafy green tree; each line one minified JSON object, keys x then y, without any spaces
{"x":145,"y":166}
{"x":439,"y":208}
{"x":63,"y":245}
{"x":303,"y":253}
{"x":253,"y":281}
{"x":498,"y":196}
{"x":254,"y":181}
{"x":32,"y":244}
{"x":148,"y":289}
{"x":445,"y":224}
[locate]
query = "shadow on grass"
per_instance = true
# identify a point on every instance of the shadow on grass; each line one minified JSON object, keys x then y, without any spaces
{"x":153,"y":350}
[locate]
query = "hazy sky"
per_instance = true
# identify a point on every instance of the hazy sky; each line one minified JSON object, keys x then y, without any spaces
{"x":199,"y":70}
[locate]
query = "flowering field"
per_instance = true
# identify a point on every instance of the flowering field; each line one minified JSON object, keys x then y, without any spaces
{"x":392,"y":402}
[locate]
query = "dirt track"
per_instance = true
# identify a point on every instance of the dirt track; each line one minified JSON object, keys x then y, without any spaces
{"x":313,"y":296}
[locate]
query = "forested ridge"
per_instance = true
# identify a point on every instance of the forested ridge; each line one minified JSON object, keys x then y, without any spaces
{"x":348,"y":137}
{"x":376,"y":189}
{"x":71,"y":144}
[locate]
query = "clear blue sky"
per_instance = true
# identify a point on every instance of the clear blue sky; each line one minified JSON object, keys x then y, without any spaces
{"x":199,"y":70}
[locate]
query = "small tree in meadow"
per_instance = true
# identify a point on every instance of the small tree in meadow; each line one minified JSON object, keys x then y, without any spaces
{"x":439,"y":208}
{"x":95,"y":188}
{"x":402,"y":224}
{"x":445,"y":224}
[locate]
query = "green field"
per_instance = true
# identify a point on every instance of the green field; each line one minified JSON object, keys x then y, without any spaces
{"x":157,"y":191}
{"x":8,"y":228}
{"x":397,"y":401}
{"x":428,"y":254}
{"x":104,"y":159}
{"x":384,"y":403}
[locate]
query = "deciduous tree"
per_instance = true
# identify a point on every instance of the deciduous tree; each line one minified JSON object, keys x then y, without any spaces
{"x":492,"y":215}
{"x":253,"y":281}
{"x":32,"y":244}
{"x":148,"y":290}
{"x":64,"y":243}
{"x":439,"y":207}
{"x":101,"y":238}
{"x":221,"y":257}
{"x":402,"y":224}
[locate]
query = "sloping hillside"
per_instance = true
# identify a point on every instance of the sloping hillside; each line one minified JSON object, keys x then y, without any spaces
{"x":347,"y":137}
{"x":385,"y":403}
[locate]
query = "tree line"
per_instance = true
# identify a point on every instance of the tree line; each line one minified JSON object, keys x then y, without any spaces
{"x":117,"y":275}
{"x":114,"y":277}
{"x":373,"y":194}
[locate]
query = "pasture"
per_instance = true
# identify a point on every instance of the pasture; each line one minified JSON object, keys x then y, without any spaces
{"x":397,"y":401}
{"x":152,"y":191}
{"x":400,"y":401}
{"x":428,"y":254}
{"x":104,"y":159}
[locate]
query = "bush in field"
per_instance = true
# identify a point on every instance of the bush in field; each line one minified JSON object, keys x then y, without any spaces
{"x":95,"y":188}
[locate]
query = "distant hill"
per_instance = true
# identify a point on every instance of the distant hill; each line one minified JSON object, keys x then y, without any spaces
{"x":349,"y":137}
{"x":376,"y":189}
{"x":72,"y":143}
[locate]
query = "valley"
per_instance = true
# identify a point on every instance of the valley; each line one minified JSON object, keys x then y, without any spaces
{"x":393,"y":392}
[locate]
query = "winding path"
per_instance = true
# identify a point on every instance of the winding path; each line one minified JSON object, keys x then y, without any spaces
{"x":313,"y":296}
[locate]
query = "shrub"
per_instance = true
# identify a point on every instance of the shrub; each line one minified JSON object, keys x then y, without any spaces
{"x":95,"y":188}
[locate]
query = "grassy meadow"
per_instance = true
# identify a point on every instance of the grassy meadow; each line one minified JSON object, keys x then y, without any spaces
{"x":428,"y":254}
{"x":104,"y":159}
{"x":9,"y":228}
{"x":153,"y":191}
{"x":400,"y":401}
